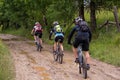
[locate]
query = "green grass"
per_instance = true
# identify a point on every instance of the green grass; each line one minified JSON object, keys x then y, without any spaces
{"x":106,"y":48}
{"x":6,"y":64}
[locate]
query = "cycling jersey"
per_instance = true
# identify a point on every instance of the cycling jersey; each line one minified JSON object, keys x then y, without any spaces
{"x":38,"y":28}
{"x":80,"y":35}
{"x":58,"y":31}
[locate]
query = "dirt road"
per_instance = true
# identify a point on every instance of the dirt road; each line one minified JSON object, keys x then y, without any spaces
{"x":33,"y":65}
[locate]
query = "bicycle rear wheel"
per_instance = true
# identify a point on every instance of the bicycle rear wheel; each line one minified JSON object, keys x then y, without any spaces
{"x":55,"y":56}
{"x":39,"y":47}
{"x":84,"y":70}
{"x":60,"y":58}
{"x":80,"y":68}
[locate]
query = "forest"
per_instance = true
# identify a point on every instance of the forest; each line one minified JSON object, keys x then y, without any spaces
{"x":24,"y":13}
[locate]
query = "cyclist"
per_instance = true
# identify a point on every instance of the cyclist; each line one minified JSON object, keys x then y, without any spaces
{"x":81,"y":37}
{"x":58,"y":32}
{"x":37,"y":30}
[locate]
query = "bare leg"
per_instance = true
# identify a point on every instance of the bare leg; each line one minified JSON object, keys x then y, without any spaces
{"x":87,"y":57}
{"x":61,"y":47}
{"x":55,"y":43}
{"x":40,"y":41}
{"x":75,"y":52}
{"x":35,"y":38}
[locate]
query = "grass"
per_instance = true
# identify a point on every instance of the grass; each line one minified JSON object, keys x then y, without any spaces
{"x":106,"y":48}
{"x":6,"y":64}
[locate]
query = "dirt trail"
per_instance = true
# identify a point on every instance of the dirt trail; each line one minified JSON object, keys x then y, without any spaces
{"x":33,"y":65}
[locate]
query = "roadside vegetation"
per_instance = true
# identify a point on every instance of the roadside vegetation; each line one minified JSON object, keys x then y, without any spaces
{"x":6,"y":64}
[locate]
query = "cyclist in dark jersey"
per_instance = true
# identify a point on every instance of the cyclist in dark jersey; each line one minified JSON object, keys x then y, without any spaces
{"x":80,"y":37}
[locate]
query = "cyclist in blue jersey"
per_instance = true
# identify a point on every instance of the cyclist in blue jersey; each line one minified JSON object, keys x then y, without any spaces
{"x":81,"y":36}
{"x":58,"y":34}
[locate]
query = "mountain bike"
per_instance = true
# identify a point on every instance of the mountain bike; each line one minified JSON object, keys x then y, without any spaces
{"x":38,"y":45}
{"x":82,"y":62}
{"x":58,"y":55}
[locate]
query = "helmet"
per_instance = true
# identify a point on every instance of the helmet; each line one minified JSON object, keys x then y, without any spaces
{"x":55,"y":23}
{"x":78,"y":19}
{"x":37,"y":23}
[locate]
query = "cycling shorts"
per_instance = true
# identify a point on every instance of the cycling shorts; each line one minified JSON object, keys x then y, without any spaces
{"x":59,"y":37}
{"x":85,"y":44}
{"x":38,"y":34}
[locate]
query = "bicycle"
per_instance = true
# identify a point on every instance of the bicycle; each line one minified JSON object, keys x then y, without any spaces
{"x":82,"y":62}
{"x":58,"y":55}
{"x":38,"y":45}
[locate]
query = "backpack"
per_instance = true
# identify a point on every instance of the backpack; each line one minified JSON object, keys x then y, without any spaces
{"x":58,"y":28}
{"x":83,"y":26}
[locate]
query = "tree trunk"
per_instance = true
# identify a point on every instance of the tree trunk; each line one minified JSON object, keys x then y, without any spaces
{"x":116,"y":18}
{"x":45,"y":20}
{"x":93,"y":24}
{"x":81,"y":9}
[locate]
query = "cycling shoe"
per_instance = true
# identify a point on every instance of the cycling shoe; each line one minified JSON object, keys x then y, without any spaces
{"x":87,"y":66}
{"x":76,"y":60}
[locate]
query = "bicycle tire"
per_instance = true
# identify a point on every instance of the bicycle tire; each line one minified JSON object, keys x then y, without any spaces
{"x":84,"y":70}
{"x":55,"y":56}
{"x":80,"y":69}
{"x":60,"y":58}
{"x":37,"y":47}
{"x":40,"y":48}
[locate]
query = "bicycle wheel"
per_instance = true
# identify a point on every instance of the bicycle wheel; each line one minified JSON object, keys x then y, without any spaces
{"x":80,"y":61}
{"x":84,"y":70}
{"x":80,"y":68}
{"x":40,"y":47}
{"x":37,"y":45}
{"x":55,"y":56}
{"x":60,"y":58}
{"x":84,"y":73}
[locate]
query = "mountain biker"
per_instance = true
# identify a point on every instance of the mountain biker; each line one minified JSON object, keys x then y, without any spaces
{"x":58,"y":33}
{"x":81,"y":37}
{"x":37,"y":30}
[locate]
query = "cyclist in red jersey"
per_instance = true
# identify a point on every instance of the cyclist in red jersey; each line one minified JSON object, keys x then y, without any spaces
{"x":37,"y":30}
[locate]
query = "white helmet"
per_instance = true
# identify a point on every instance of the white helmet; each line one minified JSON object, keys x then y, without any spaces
{"x":55,"y":23}
{"x":37,"y":23}
{"x":78,"y":19}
